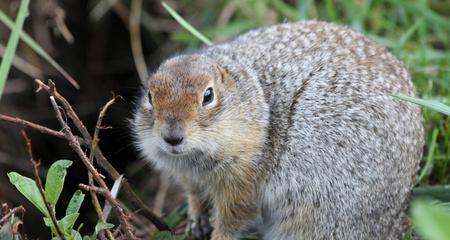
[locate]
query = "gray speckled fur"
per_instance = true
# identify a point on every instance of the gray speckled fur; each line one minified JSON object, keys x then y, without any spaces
{"x":341,"y":154}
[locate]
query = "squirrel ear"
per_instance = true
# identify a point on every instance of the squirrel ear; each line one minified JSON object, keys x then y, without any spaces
{"x":225,"y":75}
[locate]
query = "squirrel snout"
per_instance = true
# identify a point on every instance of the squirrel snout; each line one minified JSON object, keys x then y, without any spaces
{"x":172,"y":133}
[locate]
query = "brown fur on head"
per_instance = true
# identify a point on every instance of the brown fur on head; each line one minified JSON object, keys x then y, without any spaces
{"x":179,"y":86}
{"x":176,"y":120}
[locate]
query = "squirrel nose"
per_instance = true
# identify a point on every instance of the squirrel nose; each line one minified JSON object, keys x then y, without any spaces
{"x":172,"y":132}
{"x":173,"y":140}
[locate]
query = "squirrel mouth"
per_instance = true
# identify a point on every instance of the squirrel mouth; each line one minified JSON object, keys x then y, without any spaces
{"x":175,"y":152}
{"x":172,"y":150}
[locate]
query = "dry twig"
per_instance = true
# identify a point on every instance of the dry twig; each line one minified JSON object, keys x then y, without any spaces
{"x":40,"y":186}
{"x":86,"y":141}
{"x":95,"y":201}
{"x":27,"y":124}
{"x":135,"y":39}
{"x":101,"y":159}
{"x":75,"y":145}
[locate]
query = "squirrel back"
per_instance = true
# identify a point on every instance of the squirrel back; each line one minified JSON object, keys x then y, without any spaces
{"x":305,"y":135}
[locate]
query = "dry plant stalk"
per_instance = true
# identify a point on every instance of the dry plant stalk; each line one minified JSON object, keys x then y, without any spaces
{"x":90,"y":142}
{"x":36,"y":164}
{"x":76,"y":146}
{"x":100,"y":158}
{"x":95,"y":140}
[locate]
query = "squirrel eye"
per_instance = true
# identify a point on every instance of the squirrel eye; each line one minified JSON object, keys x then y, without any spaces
{"x":208,"y":96}
{"x":149,"y":97}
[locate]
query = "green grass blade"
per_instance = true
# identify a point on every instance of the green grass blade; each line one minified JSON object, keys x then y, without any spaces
{"x":285,"y":9}
{"x":439,"y":192}
{"x":38,"y":49}
{"x":330,"y":10}
{"x":407,"y":35}
{"x":186,"y":25}
{"x":436,"y":106}
{"x":430,"y":220}
{"x":426,"y":170}
{"x":12,"y":43}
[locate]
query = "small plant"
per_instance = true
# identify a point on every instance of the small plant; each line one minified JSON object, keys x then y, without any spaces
{"x":46,"y":203}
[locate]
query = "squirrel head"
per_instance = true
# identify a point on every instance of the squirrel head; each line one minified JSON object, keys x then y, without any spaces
{"x":183,"y":101}
{"x":196,"y":113}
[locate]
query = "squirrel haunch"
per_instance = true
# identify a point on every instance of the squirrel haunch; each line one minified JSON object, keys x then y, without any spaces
{"x":290,"y":128}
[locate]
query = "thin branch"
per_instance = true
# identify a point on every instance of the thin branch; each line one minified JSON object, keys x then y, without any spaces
{"x":101,"y":9}
{"x":86,"y":141}
{"x":37,"y":127}
{"x":107,"y":194}
{"x":95,"y":201}
{"x":73,"y":142}
{"x":101,"y":159}
{"x":40,"y":186}
{"x":34,"y":126}
{"x":135,"y":39}
{"x":59,"y":16}
{"x":103,"y":162}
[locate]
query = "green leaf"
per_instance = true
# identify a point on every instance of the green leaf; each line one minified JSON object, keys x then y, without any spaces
{"x":65,"y":225}
{"x":55,"y":180}
{"x":49,"y":223}
{"x":435,"y":105}
{"x":68,"y":221}
{"x":431,"y":221}
{"x":186,"y":25}
{"x":77,"y":235}
{"x":75,"y":202}
{"x":38,"y":49}
{"x":12,"y":43}
{"x":29,"y":190}
{"x":102,"y":226}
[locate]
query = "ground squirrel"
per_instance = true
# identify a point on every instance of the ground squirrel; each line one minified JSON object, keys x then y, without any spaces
{"x":290,"y":128}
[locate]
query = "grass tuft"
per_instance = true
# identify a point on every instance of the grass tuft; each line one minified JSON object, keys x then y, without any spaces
{"x":38,"y":49}
{"x":12,"y":44}
{"x":186,"y":25}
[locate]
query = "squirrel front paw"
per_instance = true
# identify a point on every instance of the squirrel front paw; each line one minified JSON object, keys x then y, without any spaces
{"x":200,"y":227}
